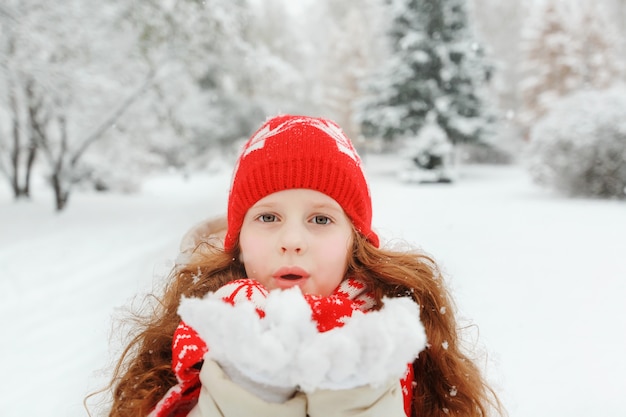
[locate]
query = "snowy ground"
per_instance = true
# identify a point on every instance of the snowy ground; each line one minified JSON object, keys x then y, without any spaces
{"x":542,"y":277}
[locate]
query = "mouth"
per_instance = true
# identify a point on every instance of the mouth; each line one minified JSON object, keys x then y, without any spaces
{"x":291,"y":273}
{"x":290,"y":276}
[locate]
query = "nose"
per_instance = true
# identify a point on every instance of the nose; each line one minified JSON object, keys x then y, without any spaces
{"x":292,"y":239}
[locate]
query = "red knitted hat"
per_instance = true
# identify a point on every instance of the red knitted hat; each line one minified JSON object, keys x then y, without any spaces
{"x":299,"y":152}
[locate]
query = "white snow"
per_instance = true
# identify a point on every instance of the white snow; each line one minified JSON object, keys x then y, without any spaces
{"x":542,"y":277}
{"x":289,"y":351}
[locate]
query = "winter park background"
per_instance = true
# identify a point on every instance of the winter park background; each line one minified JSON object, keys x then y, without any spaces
{"x":132,"y":129}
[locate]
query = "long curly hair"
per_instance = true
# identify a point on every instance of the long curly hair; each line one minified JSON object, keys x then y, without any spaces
{"x":447,"y":382}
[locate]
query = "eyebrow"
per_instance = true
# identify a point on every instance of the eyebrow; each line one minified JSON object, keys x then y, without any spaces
{"x":327,"y":206}
{"x":263,"y":206}
{"x":315,"y":206}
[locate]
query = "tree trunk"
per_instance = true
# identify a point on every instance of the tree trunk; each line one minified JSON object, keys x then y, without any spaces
{"x":15,"y":152}
{"x":30,"y":162}
{"x":60,"y":196}
{"x":61,"y":188}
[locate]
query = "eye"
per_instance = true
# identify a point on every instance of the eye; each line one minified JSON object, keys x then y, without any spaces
{"x":267,"y":218}
{"x":321,"y":220}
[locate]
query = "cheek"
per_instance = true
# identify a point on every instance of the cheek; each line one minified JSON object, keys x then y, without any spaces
{"x":338,"y":251}
{"x":252,"y":249}
{"x":333,"y":259}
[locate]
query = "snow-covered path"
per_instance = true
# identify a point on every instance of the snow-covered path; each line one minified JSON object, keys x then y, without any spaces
{"x":64,"y":275}
{"x":542,"y":277}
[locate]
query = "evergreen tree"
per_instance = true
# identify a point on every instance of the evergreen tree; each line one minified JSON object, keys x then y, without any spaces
{"x":437,"y":66}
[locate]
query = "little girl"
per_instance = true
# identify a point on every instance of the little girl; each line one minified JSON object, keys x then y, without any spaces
{"x":291,"y":308}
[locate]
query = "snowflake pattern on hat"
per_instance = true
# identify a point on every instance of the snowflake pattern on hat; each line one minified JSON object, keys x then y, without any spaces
{"x":257,"y":141}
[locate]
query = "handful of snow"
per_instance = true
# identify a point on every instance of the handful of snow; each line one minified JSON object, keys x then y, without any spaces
{"x":274,"y":338}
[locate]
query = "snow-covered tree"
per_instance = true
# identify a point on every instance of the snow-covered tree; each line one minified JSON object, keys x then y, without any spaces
{"x":499,"y":23}
{"x":579,"y":148}
{"x":347,"y":52}
{"x":60,"y":93}
{"x":277,"y":62}
{"x":602,"y":64}
{"x":616,"y":11}
{"x":437,"y":65}
{"x":201,"y":55}
{"x":565,"y":49}
{"x":311,"y":59}
{"x":141,"y":83}
{"x":17,"y":148}
{"x":549,"y":69}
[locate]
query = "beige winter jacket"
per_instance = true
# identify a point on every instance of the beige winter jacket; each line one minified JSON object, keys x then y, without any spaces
{"x":220,"y":397}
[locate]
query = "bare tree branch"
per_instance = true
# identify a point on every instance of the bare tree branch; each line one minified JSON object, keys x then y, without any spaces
{"x":116,"y":114}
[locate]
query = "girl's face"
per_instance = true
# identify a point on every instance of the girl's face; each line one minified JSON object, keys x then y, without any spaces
{"x":296,"y":237}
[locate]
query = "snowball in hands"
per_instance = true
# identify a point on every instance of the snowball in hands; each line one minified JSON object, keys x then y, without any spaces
{"x":370,"y":349}
{"x":229,"y":323}
{"x":282,"y":349}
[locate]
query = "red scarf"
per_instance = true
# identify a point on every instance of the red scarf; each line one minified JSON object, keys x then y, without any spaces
{"x":188,"y":349}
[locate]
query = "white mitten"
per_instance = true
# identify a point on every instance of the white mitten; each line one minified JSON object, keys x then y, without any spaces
{"x":253,"y":335}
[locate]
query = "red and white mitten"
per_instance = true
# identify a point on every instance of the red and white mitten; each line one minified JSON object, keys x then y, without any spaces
{"x":356,"y":348}
{"x":328,"y":319}
{"x":188,"y":350}
{"x":253,"y":335}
